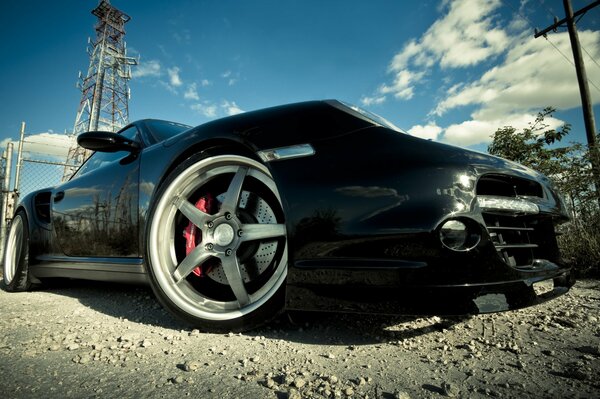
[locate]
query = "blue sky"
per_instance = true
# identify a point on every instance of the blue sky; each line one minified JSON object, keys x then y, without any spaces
{"x":452,"y":71}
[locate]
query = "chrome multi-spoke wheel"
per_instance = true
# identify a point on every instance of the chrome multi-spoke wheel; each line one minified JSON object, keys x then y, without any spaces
{"x":16,"y":255}
{"x":216,"y":242}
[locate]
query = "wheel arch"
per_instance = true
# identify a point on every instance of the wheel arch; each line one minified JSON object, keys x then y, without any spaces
{"x":216,"y":146}
{"x":212,"y":146}
{"x":26,"y":205}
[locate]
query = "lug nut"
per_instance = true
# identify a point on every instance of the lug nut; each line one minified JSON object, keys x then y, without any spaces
{"x":228,"y":216}
{"x":210,"y":225}
{"x":228,"y":252}
{"x":209,"y":247}
{"x":240,"y":233}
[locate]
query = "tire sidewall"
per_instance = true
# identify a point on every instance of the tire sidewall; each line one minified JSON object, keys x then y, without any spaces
{"x":271,"y":308}
{"x":21,"y":280}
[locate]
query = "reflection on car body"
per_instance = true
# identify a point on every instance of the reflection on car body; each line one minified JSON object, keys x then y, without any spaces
{"x":311,"y":205}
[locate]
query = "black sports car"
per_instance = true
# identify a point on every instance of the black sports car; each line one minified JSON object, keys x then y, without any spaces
{"x":310,"y":205}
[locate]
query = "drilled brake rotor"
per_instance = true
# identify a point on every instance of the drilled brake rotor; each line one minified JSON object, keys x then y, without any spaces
{"x":258,"y":256}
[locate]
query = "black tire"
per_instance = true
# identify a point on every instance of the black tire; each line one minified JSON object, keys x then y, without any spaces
{"x":16,"y":255}
{"x":240,"y":252}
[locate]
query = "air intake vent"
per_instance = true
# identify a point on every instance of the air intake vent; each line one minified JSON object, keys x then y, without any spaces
{"x":512,"y":237}
{"x":42,"y":206}
{"x":508,"y":186}
{"x":520,"y":234}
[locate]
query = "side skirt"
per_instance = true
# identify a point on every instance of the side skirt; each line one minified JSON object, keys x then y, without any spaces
{"x":122,"y":270}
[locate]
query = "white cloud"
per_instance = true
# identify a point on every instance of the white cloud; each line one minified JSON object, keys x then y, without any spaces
{"x":232,"y":78}
{"x":191,"y":93}
{"x":533,"y":75}
{"x":429,"y":131}
{"x":403,"y":84}
{"x":529,"y":74}
{"x":146,"y":68}
{"x":212,"y":110}
{"x":53,"y":145}
{"x":4,"y":143}
{"x":206,"y":109}
{"x":174,"y":78}
{"x":205,"y":82}
{"x":465,"y":36}
{"x":231,"y":108}
{"x":167,"y":86}
{"x":375,"y":100}
{"x":478,"y":131}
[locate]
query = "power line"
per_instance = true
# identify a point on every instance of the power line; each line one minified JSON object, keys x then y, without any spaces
{"x":582,"y":80}
{"x":591,"y":58}
{"x":524,"y":17}
{"x":571,"y":62}
{"x":551,"y":13}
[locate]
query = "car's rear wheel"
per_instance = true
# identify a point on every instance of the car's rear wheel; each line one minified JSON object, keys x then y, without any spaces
{"x":16,"y":255}
{"x":216,"y":246}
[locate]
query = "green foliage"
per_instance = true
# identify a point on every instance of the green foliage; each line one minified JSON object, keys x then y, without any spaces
{"x":529,"y":147}
{"x":570,"y":169}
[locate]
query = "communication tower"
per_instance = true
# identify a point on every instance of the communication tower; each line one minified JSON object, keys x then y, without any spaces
{"x":104,"y":89}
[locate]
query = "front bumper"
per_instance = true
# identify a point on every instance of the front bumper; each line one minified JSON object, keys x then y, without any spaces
{"x":457,"y":299}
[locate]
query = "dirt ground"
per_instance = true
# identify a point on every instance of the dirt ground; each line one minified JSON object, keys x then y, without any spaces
{"x":86,"y":339}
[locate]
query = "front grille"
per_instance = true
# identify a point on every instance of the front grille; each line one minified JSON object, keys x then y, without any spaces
{"x":508,"y":186}
{"x":512,"y":237}
{"x":520,"y":235}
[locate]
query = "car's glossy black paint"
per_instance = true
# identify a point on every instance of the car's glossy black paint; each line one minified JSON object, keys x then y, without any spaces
{"x":363,"y":212}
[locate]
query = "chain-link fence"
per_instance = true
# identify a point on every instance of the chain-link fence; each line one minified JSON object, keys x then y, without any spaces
{"x":41,"y":161}
{"x":38,"y":162}
{"x":37,"y":174}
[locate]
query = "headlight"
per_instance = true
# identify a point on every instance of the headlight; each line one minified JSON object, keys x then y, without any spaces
{"x":502,"y":204}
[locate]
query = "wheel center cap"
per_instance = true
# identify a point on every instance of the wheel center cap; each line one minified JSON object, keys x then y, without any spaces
{"x":224,"y":234}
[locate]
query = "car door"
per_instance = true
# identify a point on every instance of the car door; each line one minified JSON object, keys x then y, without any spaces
{"x":95,"y":214}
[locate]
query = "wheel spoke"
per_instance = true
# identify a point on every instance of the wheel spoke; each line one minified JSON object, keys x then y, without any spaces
{"x":194,"y":214}
{"x":198,"y":256}
{"x":253,"y":232}
{"x":231,"y":268}
{"x":232,"y":196}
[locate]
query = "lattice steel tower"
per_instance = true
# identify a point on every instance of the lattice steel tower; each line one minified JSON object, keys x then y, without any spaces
{"x":104,"y":89}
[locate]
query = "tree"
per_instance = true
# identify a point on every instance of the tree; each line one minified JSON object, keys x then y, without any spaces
{"x":529,"y":147}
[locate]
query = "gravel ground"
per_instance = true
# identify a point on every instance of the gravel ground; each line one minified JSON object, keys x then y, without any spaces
{"x":86,"y":339}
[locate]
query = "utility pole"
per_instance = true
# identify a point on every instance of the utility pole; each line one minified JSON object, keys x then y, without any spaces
{"x":584,"y":89}
{"x":5,"y":214}
{"x":19,"y":159}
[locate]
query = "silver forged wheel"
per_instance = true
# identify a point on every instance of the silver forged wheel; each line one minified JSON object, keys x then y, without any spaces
{"x":16,"y":255}
{"x":14,"y":246}
{"x":230,"y":235}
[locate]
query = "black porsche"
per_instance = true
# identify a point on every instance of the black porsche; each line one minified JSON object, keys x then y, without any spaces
{"x":310,"y":205}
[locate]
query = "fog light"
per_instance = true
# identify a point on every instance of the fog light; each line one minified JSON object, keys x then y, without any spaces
{"x":459,"y":236}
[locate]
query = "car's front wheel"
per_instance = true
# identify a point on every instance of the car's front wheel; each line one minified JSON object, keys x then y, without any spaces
{"x":216,"y":243}
{"x":16,"y":255}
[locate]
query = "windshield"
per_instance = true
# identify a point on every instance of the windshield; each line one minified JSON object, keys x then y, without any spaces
{"x":378,"y":120}
{"x":162,"y":130}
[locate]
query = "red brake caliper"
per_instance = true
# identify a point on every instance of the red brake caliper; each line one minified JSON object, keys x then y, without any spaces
{"x":193,"y":236}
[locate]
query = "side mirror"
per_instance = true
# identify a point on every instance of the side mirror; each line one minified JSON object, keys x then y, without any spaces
{"x":107,"y":142}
